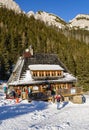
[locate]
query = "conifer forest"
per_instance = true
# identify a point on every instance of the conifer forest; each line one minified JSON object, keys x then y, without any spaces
{"x":18,"y":32}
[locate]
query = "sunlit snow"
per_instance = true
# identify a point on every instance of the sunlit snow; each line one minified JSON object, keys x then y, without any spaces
{"x":42,"y":115}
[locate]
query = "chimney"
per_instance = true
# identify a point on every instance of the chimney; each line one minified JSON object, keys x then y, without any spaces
{"x":27,"y":53}
{"x":31,"y":50}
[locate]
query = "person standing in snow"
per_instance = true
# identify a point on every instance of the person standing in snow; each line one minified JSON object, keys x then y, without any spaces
{"x":13,"y":94}
{"x":5,"y":89}
{"x":26,"y":91}
{"x":29,"y":91}
{"x":58,"y":98}
{"x":18,"y":92}
{"x":29,"y":94}
{"x":53,"y":94}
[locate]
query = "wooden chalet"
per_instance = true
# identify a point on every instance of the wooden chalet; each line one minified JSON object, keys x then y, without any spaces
{"x":42,"y":73}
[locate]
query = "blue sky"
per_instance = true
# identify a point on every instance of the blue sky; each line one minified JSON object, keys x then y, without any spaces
{"x":66,"y":9}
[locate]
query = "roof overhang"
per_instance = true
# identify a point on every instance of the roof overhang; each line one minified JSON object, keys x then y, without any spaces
{"x":67,"y":79}
{"x":45,"y":67}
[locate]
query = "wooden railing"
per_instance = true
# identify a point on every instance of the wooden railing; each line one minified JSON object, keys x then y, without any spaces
{"x":71,"y":91}
{"x":64,"y":92}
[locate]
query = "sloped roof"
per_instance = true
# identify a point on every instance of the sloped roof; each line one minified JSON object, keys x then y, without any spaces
{"x":21,"y":73}
{"x":44,"y":58}
{"x":27,"y":79}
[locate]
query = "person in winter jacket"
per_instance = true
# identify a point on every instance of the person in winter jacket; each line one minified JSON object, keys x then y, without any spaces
{"x":26,"y":92}
{"x":18,"y":92}
{"x":58,"y":97}
{"x":5,"y":89}
{"x":29,"y":94}
{"x":53,"y":95}
{"x":13,"y":93}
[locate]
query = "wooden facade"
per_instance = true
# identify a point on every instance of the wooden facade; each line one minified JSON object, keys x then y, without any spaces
{"x":44,"y":91}
{"x":41,"y":73}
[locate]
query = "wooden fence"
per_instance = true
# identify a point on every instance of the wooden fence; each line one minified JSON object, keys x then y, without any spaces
{"x":71,"y":91}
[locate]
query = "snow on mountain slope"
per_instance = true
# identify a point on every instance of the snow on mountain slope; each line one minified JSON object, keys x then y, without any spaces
{"x":10,"y":4}
{"x":80,"y":21}
{"x":49,"y":19}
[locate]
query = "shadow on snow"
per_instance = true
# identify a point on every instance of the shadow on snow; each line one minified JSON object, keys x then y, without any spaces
{"x":12,"y":111}
{"x":63,"y":104}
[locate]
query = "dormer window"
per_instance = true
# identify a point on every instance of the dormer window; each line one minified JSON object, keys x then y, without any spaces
{"x":51,"y":71}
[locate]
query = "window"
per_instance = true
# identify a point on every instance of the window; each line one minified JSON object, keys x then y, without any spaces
{"x":34,"y":74}
{"x":47,"y":73}
{"x":41,"y":73}
{"x":59,"y":73}
{"x":53,"y":73}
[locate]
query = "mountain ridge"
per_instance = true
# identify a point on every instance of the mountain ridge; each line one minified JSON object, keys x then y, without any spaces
{"x":48,"y":18}
{"x":81,"y":21}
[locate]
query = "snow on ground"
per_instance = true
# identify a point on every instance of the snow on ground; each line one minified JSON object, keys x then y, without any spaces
{"x":43,"y":115}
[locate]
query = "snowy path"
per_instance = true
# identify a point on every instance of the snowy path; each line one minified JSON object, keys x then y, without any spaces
{"x":43,"y":116}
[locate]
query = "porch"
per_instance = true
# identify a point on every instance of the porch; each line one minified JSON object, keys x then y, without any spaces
{"x":67,"y":94}
{"x":46,"y":92}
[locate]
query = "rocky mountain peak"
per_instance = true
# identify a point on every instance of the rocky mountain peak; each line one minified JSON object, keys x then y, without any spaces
{"x":80,"y":21}
{"x":10,"y":4}
{"x":48,"y":18}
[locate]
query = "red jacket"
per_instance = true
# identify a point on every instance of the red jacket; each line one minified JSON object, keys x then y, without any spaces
{"x":26,"y":91}
{"x":58,"y":97}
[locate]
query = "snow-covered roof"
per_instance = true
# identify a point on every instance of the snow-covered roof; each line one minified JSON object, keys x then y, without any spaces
{"x":40,"y":62}
{"x":27,"y":79}
{"x":45,"y":67}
